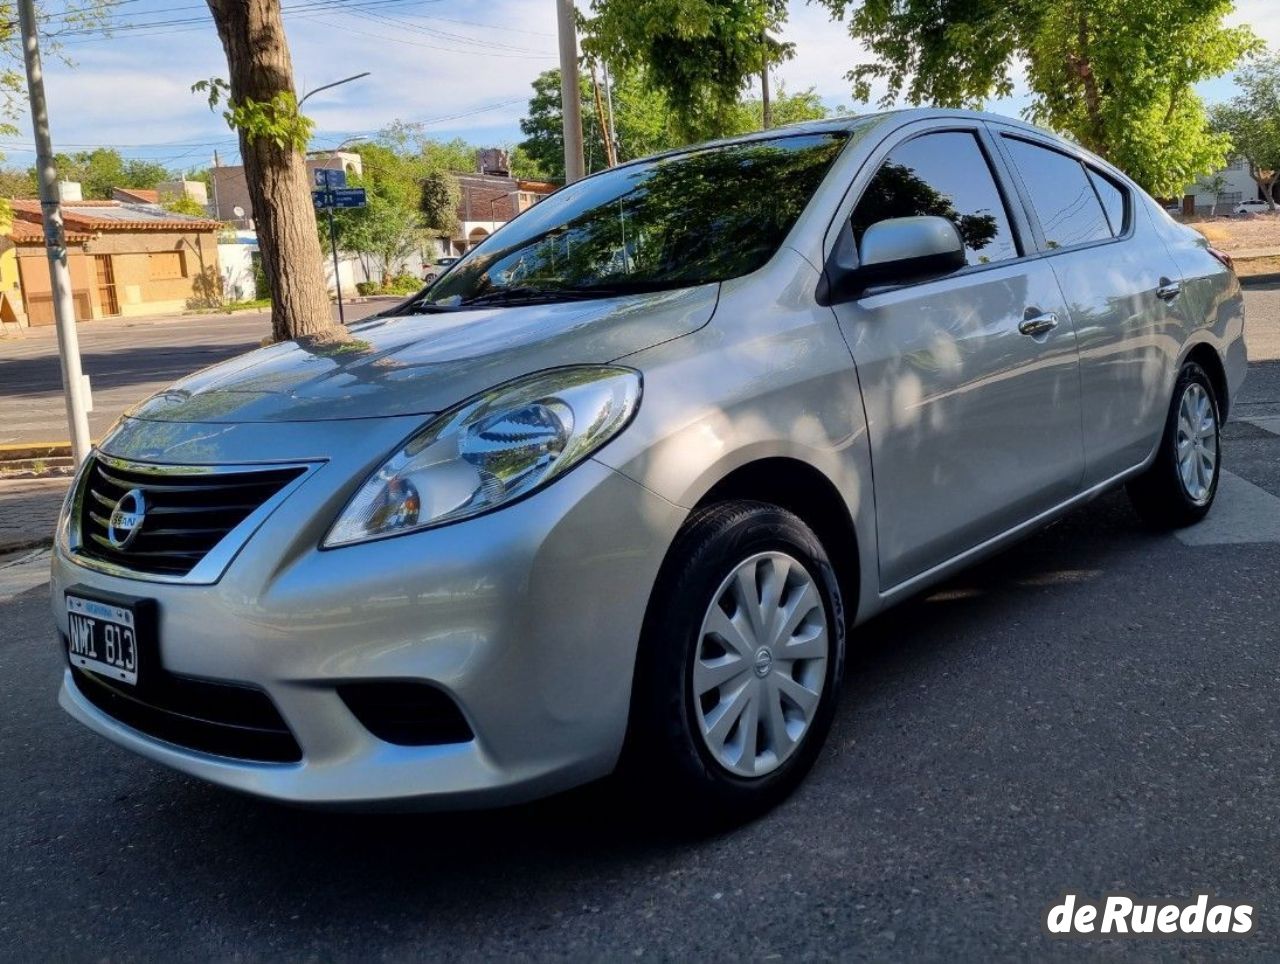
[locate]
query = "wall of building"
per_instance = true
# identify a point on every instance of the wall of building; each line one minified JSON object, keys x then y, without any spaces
{"x":236,"y":263}
{"x":231,"y":190}
{"x":13,"y":309}
{"x":1239,"y":187}
{"x":138,"y":288}
{"x":143,"y":285}
{"x":37,"y":285}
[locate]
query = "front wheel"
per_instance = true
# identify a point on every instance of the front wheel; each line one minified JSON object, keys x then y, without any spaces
{"x":740,"y":665}
{"x":1179,"y":487}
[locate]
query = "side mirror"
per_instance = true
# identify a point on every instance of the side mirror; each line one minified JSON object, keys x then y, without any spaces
{"x":894,"y":251}
{"x":906,"y":249}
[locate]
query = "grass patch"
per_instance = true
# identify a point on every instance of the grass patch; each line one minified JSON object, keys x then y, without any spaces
{"x":1256,"y":266}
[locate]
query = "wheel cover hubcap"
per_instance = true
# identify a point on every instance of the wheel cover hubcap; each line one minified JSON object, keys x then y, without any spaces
{"x":760,"y":664}
{"x":1197,"y":443}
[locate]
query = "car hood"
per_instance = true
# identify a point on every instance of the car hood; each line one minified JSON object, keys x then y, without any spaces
{"x":420,"y":364}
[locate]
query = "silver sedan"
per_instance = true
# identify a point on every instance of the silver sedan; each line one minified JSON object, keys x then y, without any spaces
{"x":616,"y":491}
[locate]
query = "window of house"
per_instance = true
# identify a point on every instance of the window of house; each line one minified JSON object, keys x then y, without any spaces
{"x":1114,"y":200}
{"x":166,"y":265}
{"x":946,"y":175}
{"x":1065,"y":202}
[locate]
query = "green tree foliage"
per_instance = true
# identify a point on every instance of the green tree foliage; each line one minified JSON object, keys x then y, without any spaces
{"x":786,"y":109}
{"x":643,"y":122}
{"x":99,"y":170}
{"x":1252,"y":121}
{"x":186,"y":204}
{"x":15,"y":183}
{"x":1115,"y":75}
{"x":699,"y":54}
{"x":412,"y":196}
{"x":541,"y":153}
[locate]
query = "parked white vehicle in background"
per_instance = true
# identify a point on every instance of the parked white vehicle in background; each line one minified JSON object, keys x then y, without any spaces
{"x":1256,"y":206}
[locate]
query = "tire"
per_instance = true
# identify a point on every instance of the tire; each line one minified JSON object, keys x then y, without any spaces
{"x":672,"y":769}
{"x":1163,"y":495}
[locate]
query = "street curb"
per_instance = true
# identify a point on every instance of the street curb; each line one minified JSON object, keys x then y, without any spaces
{"x":22,"y":545}
{"x":1249,"y":281}
{"x":34,"y":450}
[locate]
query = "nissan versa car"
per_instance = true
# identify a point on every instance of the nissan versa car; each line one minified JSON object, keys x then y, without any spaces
{"x":612,"y":492}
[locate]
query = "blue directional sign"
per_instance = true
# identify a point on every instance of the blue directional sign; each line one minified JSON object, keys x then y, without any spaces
{"x":329,"y":177}
{"x":322,"y":199}
{"x":349,"y":197}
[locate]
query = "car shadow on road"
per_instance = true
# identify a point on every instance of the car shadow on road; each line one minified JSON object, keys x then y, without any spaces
{"x":116,"y":368}
{"x":391,"y":863}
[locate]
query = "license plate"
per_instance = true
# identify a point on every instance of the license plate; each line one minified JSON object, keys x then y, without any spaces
{"x":103,"y":637}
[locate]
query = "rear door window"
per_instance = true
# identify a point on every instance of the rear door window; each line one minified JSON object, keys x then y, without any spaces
{"x":944,"y":174}
{"x":1064,"y":201}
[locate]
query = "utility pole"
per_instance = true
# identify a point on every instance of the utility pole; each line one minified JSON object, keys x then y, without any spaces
{"x":609,"y":158}
{"x":74,"y":389}
{"x":570,"y":91}
{"x":766,"y":112}
{"x":608,"y":99}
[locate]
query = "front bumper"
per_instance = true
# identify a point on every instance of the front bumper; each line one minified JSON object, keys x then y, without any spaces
{"x":527,"y":617}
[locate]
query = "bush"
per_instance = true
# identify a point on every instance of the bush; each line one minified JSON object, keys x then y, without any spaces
{"x":404,"y":284}
{"x":367,"y":287}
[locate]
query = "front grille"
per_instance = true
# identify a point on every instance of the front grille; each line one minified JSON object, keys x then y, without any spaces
{"x":187,"y":511}
{"x":224,"y":719}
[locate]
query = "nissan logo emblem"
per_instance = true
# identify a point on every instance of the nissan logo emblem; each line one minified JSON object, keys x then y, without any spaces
{"x":126,"y":519}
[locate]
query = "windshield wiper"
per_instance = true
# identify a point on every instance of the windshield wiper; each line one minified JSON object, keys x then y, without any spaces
{"x":521,"y":294}
{"x":527,"y":294}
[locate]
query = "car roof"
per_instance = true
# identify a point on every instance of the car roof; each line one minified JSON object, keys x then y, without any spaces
{"x":850,"y":122}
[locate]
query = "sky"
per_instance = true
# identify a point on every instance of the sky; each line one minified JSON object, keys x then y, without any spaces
{"x":462,"y":67}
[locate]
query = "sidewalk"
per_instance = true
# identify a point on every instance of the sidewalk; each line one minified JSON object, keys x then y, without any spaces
{"x":29,"y":511}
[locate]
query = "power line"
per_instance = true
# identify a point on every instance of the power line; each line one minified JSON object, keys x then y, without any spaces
{"x":418,"y":43}
{"x":99,"y":33}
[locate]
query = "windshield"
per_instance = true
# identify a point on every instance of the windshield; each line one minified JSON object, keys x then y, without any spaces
{"x":696,"y":217}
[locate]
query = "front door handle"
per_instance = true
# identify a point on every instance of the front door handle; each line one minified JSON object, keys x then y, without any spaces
{"x":1038,"y":324}
{"x":1168,"y":290}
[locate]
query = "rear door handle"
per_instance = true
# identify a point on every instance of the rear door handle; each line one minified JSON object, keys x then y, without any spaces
{"x":1038,"y":324}
{"x":1168,"y":290}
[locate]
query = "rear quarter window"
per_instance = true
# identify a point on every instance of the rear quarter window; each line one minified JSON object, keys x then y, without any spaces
{"x":1064,"y":200}
{"x":1114,"y":198}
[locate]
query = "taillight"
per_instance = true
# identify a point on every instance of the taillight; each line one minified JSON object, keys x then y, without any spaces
{"x":1224,"y":259}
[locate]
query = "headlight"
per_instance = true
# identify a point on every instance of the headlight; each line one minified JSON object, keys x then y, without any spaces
{"x":491,"y":450}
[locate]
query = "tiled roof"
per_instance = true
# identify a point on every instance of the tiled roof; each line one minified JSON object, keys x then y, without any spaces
{"x":28,"y":232}
{"x":92,"y":216}
{"x":138,"y":195}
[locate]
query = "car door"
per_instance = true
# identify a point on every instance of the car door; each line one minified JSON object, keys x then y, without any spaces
{"x":1123,"y":291}
{"x":970,"y":381}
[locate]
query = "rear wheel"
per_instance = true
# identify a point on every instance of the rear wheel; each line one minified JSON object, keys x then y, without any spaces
{"x":740,"y":665}
{"x":1179,"y":487}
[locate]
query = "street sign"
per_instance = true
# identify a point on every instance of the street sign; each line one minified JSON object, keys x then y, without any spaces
{"x":343,"y":197}
{"x":349,"y":197}
{"x":329,"y":177}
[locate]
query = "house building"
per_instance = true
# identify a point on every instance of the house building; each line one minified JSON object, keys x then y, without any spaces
{"x":230,"y":202}
{"x":126,"y":259}
{"x":1238,"y":186}
{"x":488,"y":201}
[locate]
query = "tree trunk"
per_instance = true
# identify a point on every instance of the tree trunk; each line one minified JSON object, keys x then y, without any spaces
{"x":259,"y":66}
{"x":1082,"y":66}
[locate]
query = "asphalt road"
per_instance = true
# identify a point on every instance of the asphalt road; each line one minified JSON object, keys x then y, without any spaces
{"x":1095,"y":710}
{"x":126,"y":360}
